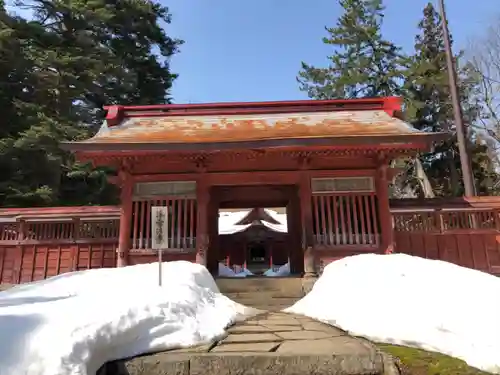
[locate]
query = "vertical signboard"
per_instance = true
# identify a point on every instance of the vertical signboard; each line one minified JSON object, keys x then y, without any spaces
{"x":159,"y":233}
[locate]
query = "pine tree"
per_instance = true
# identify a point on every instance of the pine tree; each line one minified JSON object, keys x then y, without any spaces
{"x":363,"y":63}
{"x":429,"y":108}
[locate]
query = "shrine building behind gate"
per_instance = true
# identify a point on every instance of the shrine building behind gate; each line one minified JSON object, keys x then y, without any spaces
{"x":327,"y":162}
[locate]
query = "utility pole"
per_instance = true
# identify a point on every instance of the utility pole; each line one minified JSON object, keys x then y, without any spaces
{"x":467,"y":176}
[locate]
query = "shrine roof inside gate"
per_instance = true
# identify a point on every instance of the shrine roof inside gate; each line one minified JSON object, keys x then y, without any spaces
{"x":253,"y":125}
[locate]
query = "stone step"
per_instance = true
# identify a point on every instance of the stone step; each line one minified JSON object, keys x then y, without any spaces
{"x":268,"y":294}
{"x":271,"y":308}
{"x":263,"y":301}
{"x":259,"y":284}
{"x":347,"y":362}
{"x":267,"y":307}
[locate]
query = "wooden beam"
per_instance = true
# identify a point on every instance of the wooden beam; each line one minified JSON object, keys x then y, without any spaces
{"x":253,"y":178}
{"x":252,"y":204}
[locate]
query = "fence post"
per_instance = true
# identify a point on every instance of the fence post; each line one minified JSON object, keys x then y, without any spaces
{"x":75,"y":254}
{"x":439,"y":221}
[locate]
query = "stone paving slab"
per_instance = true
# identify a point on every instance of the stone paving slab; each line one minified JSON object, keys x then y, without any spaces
{"x":280,"y":322}
{"x":279,"y":328}
{"x":250,"y":337}
{"x":196,"y":349}
{"x":317,"y":326}
{"x":338,"y":345}
{"x":247,"y":347}
{"x":249,"y":329}
{"x":304,"y":335}
{"x":278,"y":316}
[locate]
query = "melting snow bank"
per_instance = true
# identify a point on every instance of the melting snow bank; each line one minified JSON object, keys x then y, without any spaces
{"x":74,"y":323}
{"x":225,"y":271}
{"x":278,"y":271}
{"x":404,"y":300}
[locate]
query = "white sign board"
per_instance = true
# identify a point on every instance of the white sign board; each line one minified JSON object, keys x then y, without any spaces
{"x":159,"y":233}
{"x":159,"y":227}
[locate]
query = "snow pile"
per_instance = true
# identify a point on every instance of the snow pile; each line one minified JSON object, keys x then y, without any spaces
{"x":225,"y":271}
{"x":281,"y":227}
{"x":242,"y":270}
{"x":228,"y":222}
{"x":404,"y":300}
{"x":73,"y":323}
{"x":278,"y":271}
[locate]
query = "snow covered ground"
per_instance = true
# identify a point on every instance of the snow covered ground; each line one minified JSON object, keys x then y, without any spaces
{"x":73,"y":323}
{"x":404,"y":300}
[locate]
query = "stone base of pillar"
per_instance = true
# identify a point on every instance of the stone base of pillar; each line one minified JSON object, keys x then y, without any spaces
{"x":309,"y":263}
{"x":200,"y":259}
{"x":201,"y":250}
{"x":389,"y":249}
{"x":120,"y":259}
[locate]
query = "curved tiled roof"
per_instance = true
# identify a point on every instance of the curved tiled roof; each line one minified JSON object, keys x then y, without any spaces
{"x":300,"y":123}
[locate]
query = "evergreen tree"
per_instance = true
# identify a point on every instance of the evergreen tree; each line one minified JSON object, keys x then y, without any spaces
{"x":363,"y":63}
{"x":18,"y":98}
{"x":429,"y":108}
{"x":78,"y":56}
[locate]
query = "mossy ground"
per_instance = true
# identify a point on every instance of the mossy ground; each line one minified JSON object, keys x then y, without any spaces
{"x":420,"y":362}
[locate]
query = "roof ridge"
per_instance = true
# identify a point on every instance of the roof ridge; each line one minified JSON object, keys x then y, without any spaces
{"x":117,"y":113}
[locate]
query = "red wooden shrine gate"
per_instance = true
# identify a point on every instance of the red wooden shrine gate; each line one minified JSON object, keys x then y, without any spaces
{"x":335,"y":152}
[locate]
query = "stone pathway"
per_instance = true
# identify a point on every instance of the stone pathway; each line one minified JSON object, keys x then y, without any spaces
{"x":285,"y":333}
{"x":269,"y":343}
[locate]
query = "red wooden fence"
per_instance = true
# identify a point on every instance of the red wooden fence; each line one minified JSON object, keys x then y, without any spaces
{"x":39,"y":243}
{"x":464,"y":232}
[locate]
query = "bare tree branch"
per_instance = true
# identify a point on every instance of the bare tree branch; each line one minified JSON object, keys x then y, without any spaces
{"x":484,"y":54}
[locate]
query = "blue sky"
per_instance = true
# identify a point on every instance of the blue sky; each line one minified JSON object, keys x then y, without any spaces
{"x":240,"y":50}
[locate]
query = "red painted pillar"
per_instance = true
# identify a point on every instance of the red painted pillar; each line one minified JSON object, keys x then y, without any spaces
{"x":202,"y":237}
{"x":305,"y":195}
{"x":385,"y":217}
{"x":127,"y":186}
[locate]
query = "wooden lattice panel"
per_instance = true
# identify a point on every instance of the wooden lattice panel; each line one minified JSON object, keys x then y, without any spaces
{"x":343,"y":185}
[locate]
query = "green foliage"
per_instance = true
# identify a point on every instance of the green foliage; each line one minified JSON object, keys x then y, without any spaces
{"x":429,"y":108}
{"x":57,"y":70}
{"x":363,"y":63}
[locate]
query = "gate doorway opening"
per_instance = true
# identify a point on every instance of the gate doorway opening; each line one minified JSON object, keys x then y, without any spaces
{"x":257,"y":252}
{"x":253,"y":239}
{"x":257,"y":228}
